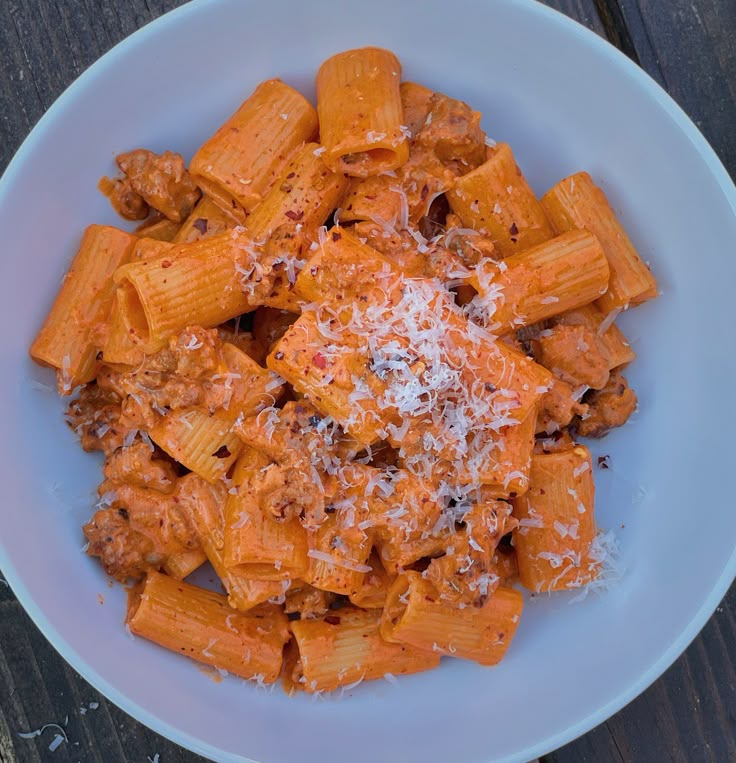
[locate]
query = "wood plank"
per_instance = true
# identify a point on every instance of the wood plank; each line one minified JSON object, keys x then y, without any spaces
{"x":22,"y":104}
{"x":689,"y":48}
{"x":583,"y":11}
{"x":47,"y":44}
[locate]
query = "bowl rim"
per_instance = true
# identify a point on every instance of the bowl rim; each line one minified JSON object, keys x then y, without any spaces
{"x":624,"y":67}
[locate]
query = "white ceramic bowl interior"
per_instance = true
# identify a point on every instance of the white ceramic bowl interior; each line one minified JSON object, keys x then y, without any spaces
{"x":565,"y":100}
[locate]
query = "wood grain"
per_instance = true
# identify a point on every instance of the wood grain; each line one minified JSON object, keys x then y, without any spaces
{"x":689,"y":48}
{"x":690,"y":713}
{"x":584,"y":11}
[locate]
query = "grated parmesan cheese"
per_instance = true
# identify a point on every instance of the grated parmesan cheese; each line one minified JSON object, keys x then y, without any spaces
{"x":337,"y":562}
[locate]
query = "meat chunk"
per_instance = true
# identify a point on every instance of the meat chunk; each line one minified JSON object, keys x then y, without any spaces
{"x":189,"y":372}
{"x":125,"y":201}
{"x":299,"y":443}
{"x":282,"y":495}
{"x":124,"y":552}
{"x":558,"y":407}
{"x":452,"y":131}
{"x":436,"y":261}
{"x":308,"y":602}
{"x":607,"y":408}
{"x":471,"y":246}
{"x":465,"y":573}
{"x":139,"y":530}
{"x":197,"y":352}
{"x":574,"y":353}
{"x":160,"y":182}
{"x":96,"y":417}
{"x":136,"y":465}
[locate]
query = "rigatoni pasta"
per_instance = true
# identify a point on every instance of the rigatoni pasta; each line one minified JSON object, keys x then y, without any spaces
{"x":345,"y":361}
{"x":241,"y":161}
{"x":577,"y":202}
{"x":416,"y":614}
{"x":70,"y":338}
{"x":305,"y":194}
{"x":200,"y":624}
{"x":360,"y":112}
{"x":200,"y":284}
{"x":556,"y":522}
{"x":566,"y":272}
{"x":496,"y":200}
{"x":346,"y":647}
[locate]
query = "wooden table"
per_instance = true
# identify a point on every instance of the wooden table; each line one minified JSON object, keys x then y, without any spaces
{"x":688,"y":715}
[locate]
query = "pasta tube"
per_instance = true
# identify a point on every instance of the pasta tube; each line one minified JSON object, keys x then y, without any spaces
{"x":342,"y":572}
{"x":240,"y":162}
{"x":303,"y":357}
{"x":204,"y":504}
{"x":149,"y":248}
{"x":69,"y":338}
{"x":181,"y":565}
{"x":496,"y":200}
{"x":377,"y":198}
{"x":360,"y":112}
{"x":346,"y":647}
{"x":345,"y":268}
{"x":502,"y":460}
{"x":556,"y":522}
{"x":202,"y":442}
{"x":160,"y":230}
{"x":207,"y":219}
{"x":373,"y":590}
{"x":205,"y":442}
{"x":306,"y":193}
{"x":201,"y":625}
{"x":256,"y":545}
{"x":195,"y":284}
{"x":408,"y":530}
{"x":121,"y":347}
{"x":416,"y":614}
{"x":577,"y":202}
{"x":561,"y":274}
{"x":338,"y":548}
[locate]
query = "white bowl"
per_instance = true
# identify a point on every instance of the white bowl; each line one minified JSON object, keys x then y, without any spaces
{"x":565,"y":100}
